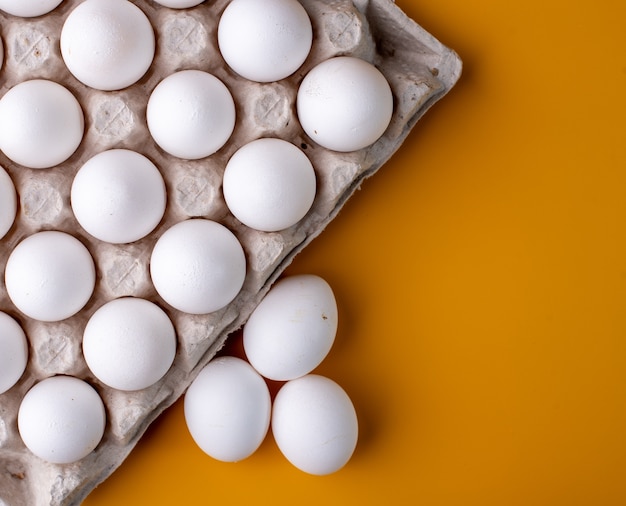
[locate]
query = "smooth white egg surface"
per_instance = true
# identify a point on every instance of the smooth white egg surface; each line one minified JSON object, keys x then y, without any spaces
{"x":61,"y":419}
{"x":344,"y":104}
{"x":315,"y":424}
{"x":227,"y":409}
{"x":179,"y":4}
{"x":191,"y":114}
{"x":129,"y":343}
{"x":118,"y":196}
{"x":198,"y":266}
{"x":292,"y":329}
{"x":50,"y":276}
{"x":8,"y":202}
{"x":13,"y":352}
{"x":269,"y":184}
{"x":265,"y":41}
{"x":28,"y":8}
{"x":41,"y":124}
{"x":107,"y":44}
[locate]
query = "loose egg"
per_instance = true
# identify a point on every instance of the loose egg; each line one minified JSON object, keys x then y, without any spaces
{"x":41,"y":124}
{"x":13,"y":352}
{"x":179,"y":4}
{"x":227,"y":409}
{"x":8,"y":202}
{"x":50,"y":276}
{"x":61,"y":419}
{"x":107,"y":44}
{"x":30,"y":8}
{"x":198,"y":266}
{"x":118,"y":196}
{"x":269,"y":184}
{"x":315,"y":424}
{"x":129,"y":343}
{"x":191,"y":114}
{"x":344,"y":104}
{"x":292,"y":329}
{"x":265,"y":41}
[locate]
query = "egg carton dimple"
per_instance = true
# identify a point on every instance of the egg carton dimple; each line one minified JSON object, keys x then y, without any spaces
{"x":420,"y":71}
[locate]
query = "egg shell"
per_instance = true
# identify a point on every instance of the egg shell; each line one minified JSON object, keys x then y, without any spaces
{"x":315,"y":424}
{"x":107,"y":44}
{"x":265,"y":41}
{"x":344,"y":104}
{"x":28,"y":8}
{"x":50,"y":276}
{"x":292,"y":329}
{"x":269,"y":184}
{"x":13,"y":352}
{"x":8,"y":202}
{"x":41,"y":124}
{"x":227,"y":409}
{"x":61,"y":419}
{"x":118,"y":196}
{"x":198,"y":266}
{"x":129,"y":343}
{"x":191,"y":114}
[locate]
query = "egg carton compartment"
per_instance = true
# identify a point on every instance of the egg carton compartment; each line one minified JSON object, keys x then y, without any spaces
{"x":420,"y":71}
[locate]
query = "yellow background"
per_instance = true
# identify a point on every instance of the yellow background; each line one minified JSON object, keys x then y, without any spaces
{"x":481,"y":281}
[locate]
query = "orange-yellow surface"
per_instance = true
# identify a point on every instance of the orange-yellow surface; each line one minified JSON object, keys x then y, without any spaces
{"x":481,"y":280}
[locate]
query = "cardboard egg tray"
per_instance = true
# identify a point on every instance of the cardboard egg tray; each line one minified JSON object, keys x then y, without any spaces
{"x":420,"y":71}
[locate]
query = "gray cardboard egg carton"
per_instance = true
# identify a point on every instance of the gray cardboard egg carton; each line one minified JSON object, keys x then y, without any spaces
{"x":420,"y":71}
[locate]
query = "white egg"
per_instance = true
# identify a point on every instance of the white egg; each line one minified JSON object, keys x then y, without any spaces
{"x":28,"y":8}
{"x":50,"y":276}
{"x":13,"y":352}
{"x":41,"y":124}
{"x":315,"y":424}
{"x":198,"y":266}
{"x":191,"y":114}
{"x":118,"y":196}
{"x":179,"y":4}
{"x":269,"y":184}
{"x":227,"y":409}
{"x":129,"y":343}
{"x":344,"y":104}
{"x":265,"y":41}
{"x":292,"y":329}
{"x":107,"y":44}
{"x":61,"y":419}
{"x":8,"y":202}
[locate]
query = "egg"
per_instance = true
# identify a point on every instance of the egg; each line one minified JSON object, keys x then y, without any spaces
{"x":129,"y":343}
{"x":41,"y":124}
{"x":61,"y":419}
{"x":30,"y":8}
{"x":344,"y":104}
{"x":179,"y":4}
{"x":50,"y":276}
{"x":264,"y":41}
{"x":198,"y":266}
{"x":107,"y":44}
{"x":8,"y":202}
{"x":315,"y":424}
{"x":191,"y":114}
{"x":227,"y":409}
{"x":118,"y":196}
{"x":13,"y":352}
{"x":292,"y":329}
{"x":269,"y":184}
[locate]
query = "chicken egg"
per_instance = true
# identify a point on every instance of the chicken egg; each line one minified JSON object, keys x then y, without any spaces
{"x":344,"y":104}
{"x":13,"y":352}
{"x":292,"y":329}
{"x":179,"y":4}
{"x":227,"y":409}
{"x":61,"y":419}
{"x":129,"y":343}
{"x":41,"y":124}
{"x":30,"y":8}
{"x":8,"y":202}
{"x":315,"y":424}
